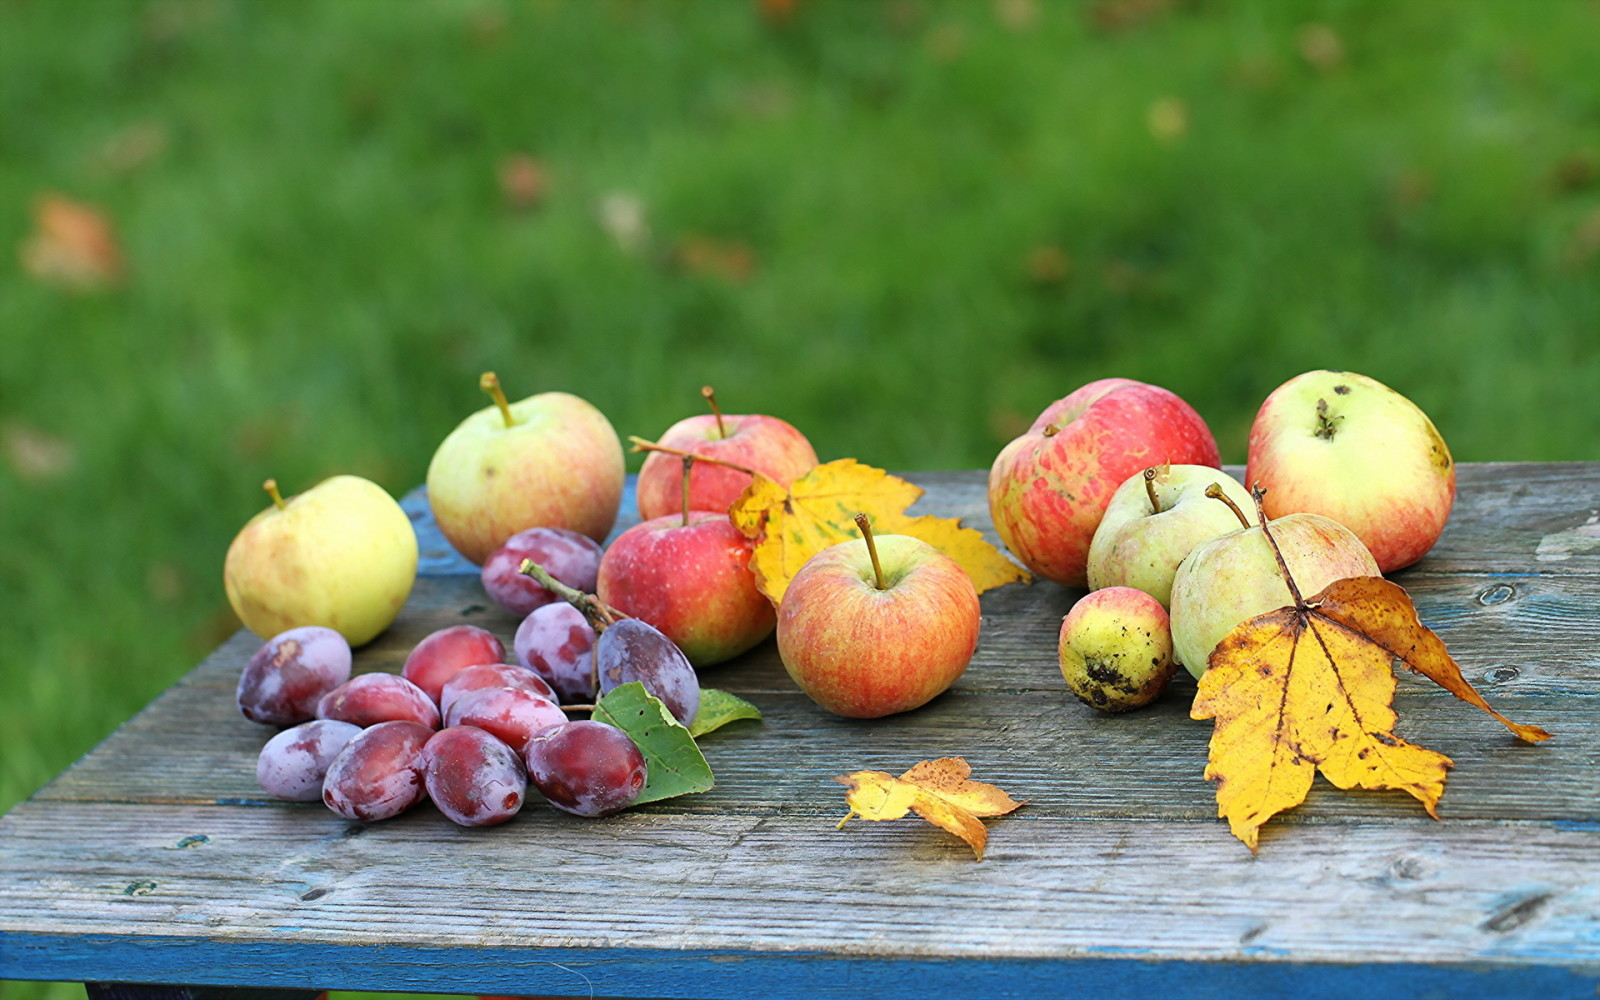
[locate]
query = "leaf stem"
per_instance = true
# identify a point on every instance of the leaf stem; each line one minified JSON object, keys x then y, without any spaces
{"x":852,"y":814}
{"x":271,"y":486}
{"x":1257,"y":492}
{"x":711,"y":401}
{"x":640,"y":444}
{"x":490,"y":382}
{"x":1214,"y":491}
{"x":865,"y":524}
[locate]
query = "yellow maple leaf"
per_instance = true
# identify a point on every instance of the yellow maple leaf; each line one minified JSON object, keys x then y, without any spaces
{"x":940,"y":791}
{"x":1310,"y":688}
{"x":792,"y":525}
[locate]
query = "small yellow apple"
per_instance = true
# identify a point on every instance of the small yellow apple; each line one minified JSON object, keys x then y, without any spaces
{"x":342,"y":555}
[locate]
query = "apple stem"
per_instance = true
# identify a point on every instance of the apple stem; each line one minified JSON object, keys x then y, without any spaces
{"x":1150,"y":489}
{"x":865,"y":525}
{"x":640,"y":444}
{"x":598,"y":613}
{"x":490,"y":382}
{"x":711,"y":401}
{"x":1257,"y":492}
{"x":688,"y":464}
{"x":1214,"y":491}
{"x":271,"y":486}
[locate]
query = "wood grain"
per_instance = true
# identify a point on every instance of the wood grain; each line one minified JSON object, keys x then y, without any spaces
{"x":1116,"y":867}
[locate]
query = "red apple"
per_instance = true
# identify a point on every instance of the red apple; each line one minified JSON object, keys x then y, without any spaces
{"x":551,"y":460}
{"x":1049,"y":487}
{"x":866,"y":642}
{"x":765,"y":444}
{"x":689,"y":577}
{"x":1351,"y":448}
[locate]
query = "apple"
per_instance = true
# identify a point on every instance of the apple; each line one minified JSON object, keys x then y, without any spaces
{"x":1235,"y":577}
{"x":688,"y":575}
{"x":1351,"y":448}
{"x":869,"y":627}
{"x":1116,"y":649}
{"x":754,"y":442}
{"x":551,"y":460}
{"x":1049,"y":487}
{"x":341,"y":555}
{"x":1153,"y":520}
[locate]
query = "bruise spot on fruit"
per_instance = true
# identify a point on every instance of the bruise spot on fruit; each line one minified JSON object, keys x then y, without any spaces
{"x":489,"y":472}
{"x":1342,"y":390}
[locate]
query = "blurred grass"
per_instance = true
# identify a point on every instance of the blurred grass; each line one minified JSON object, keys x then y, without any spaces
{"x":904,"y":225}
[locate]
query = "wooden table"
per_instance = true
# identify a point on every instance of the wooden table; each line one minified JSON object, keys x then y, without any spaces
{"x":157,"y":859}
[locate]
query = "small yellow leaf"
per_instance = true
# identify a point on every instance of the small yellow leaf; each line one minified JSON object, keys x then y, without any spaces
{"x":819,"y":509}
{"x":940,"y":791}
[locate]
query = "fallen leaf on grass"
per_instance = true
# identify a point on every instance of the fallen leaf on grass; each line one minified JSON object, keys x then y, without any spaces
{"x":937,"y":790}
{"x":1310,"y":687}
{"x":72,"y":245}
{"x":819,"y":509}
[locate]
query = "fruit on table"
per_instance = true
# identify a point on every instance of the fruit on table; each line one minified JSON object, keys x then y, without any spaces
{"x":342,"y":555}
{"x":378,"y":774}
{"x":550,"y":460}
{"x":1235,"y":577}
{"x":556,"y":642}
{"x":572,"y":558}
{"x":633,"y":650}
{"x":871,"y":627}
{"x":1050,"y":486}
{"x":1349,"y":447}
{"x":493,"y":675}
{"x":293,"y":764}
{"x":369,"y":699}
{"x":284,"y":679}
{"x":586,"y":768}
{"x":688,"y":575}
{"x":764,"y":444}
{"x":1115,"y":649}
{"x":446,"y":652}
{"x":473,"y":778}
{"x":511,"y":715}
{"x":1155,"y":518}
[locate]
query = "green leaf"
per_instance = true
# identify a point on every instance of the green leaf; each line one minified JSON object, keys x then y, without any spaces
{"x":674,"y":765}
{"x":717,"y":709}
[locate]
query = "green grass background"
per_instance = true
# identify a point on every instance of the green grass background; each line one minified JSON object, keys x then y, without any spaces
{"x":933,"y":219}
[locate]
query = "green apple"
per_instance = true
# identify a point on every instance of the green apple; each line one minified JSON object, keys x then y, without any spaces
{"x":1155,"y":518}
{"x":1235,"y":577}
{"x":1115,"y":649}
{"x":1351,"y":448}
{"x":341,"y":555}
{"x":551,"y":460}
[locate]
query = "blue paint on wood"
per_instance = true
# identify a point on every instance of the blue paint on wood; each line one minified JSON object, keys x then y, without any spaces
{"x":713,"y":975}
{"x":436,"y":556}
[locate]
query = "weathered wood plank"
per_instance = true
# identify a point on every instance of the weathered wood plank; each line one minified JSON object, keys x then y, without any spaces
{"x":1524,"y":894}
{"x":1010,"y":714}
{"x":1116,"y":873}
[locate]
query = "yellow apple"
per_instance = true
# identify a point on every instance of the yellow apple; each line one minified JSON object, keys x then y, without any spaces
{"x":342,"y":555}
